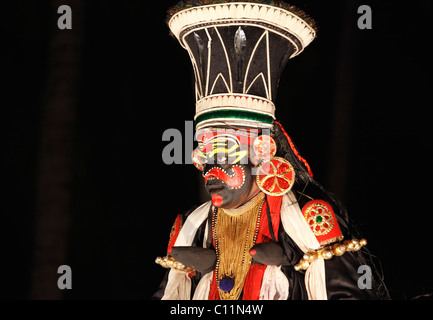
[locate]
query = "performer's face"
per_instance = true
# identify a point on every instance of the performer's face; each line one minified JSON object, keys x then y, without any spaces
{"x":230,"y":186}
{"x":227,"y":174}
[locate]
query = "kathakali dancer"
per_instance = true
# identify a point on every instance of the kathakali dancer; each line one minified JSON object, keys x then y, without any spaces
{"x":270,"y":231}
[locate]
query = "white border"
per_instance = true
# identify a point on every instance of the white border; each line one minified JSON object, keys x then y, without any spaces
{"x":226,"y":12}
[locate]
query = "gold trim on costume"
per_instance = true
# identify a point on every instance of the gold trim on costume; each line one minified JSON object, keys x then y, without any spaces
{"x":235,"y":232}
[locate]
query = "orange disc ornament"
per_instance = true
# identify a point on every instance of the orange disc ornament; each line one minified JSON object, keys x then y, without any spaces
{"x":265,"y":147}
{"x":275,"y":177}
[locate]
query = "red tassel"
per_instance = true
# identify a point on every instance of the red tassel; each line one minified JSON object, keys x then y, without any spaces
{"x":294,"y":149}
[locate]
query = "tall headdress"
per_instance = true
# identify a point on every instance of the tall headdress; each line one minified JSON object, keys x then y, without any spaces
{"x":238,"y":51}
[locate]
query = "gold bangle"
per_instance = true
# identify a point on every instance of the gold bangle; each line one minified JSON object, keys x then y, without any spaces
{"x":327,"y":252}
{"x":170,"y":262}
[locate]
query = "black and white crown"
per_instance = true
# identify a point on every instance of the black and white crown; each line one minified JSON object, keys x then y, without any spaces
{"x":238,"y":52}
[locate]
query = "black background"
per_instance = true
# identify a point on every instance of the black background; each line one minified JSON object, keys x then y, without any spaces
{"x":370,"y":87}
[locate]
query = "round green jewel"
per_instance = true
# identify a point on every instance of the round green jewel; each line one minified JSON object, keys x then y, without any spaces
{"x":319,"y":219}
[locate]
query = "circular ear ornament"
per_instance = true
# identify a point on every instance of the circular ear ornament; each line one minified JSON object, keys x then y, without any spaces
{"x":275,"y":177}
{"x":198,"y":159}
{"x":265,"y":147}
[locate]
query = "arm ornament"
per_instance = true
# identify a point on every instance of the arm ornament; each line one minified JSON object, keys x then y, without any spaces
{"x":327,"y":252}
{"x":170,"y":262}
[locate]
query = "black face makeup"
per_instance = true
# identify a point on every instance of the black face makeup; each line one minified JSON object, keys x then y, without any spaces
{"x":226,"y":171}
{"x":228,"y":185}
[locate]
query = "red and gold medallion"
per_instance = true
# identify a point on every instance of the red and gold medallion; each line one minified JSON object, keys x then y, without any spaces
{"x":321,"y":218}
{"x":275,"y":177}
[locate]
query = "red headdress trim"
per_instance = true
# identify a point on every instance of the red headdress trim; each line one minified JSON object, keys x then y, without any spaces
{"x":294,"y":149}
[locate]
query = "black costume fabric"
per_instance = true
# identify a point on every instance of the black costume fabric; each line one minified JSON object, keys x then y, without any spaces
{"x":341,"y":272}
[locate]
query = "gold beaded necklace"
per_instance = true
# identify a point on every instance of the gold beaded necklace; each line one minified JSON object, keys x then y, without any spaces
{"x":235,"y":232}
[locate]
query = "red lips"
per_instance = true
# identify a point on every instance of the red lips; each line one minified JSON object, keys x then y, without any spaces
{"x":217,"y":200}
{"x":234,"y":181}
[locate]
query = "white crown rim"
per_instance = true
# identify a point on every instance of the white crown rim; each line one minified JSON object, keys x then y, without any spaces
{"x":245,"y":102}
{"x":248,"y":11}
